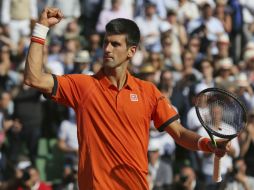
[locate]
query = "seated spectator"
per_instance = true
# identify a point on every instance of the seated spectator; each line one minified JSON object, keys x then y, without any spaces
{"x":71,"y":10}
{"x":68,"y":142}
{"x":108,"y":14}
{"x":223,"y":45}
{"x":171,"y":60}
{"x":194,"y":45}
{"x":188,"y":65}
{"x":187,"y":180}
{"x":147,"y":72}
{"x":149,"y":25}
{"x":161,"y":171}
{"x":245,"y":91}
{"x":246,"y":140}
{"x":239,"y":179}
{"x":82,"y":63}
{"x":25,"y":177}
{"x":224,"y":71}
{"x":28,"y":120}
{"x":31,"y":180}
{"x":178,"y":28}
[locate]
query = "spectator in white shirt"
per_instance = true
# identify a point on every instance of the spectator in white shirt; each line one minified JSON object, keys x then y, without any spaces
{"x":108,"y":14}
{"x":17,"y":17}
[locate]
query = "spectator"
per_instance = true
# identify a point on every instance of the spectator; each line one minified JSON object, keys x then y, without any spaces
{"x":207,"y":22}
{"x":149,"y":25}
{"x":188,"y":66}
{"x":31,"y":180}
{"x":246,"y":140}
{"x":161,"y":172}
{"x":19,"y":174}
{"x":127,"y":5}
{"x":187,"y":180}
{"x":108,"y":14}
{"x":224,"y":69}
{"x":82,"y":63}
{"x":27,"y":111}
{"x":71,"y":47}
{"x":70,"y":8}
{"x":187,"y":11}
{"x":178,"y":29}
{"x":147,"y":72}
{"x":53,"y":56}
{"x":155,"y":58}
{"x":237,"y":36}
{"x":165,"y":143}
{"x":171,"y":59}
{"x":222,"y":12}
{"x":245,"y":91}
{"x":248,"y":66}
{"x":223,"y":45}
{"x":18,"y":22}
{"x":239,"y":179}
{"x":3,"y":128}
{"x":90,"y":11}
{"x":167,"y":78}
{"x":68,"y":143}
{"x":194,"y":45}
{"x":94,"y":47}
{"x":207,"y":81}
{"x":8,"y":77}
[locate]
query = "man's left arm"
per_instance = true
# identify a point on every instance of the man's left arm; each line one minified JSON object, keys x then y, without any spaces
{"x":183,"y":136}
{"x":193,"y":141}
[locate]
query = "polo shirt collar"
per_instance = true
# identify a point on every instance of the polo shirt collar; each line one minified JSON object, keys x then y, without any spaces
{"x":106,"y":83}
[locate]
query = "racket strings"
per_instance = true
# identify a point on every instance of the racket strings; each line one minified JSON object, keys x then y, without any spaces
{"x":221,"y":113}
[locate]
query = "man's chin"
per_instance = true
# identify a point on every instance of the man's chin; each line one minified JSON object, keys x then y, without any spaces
{"x":108,"y":63}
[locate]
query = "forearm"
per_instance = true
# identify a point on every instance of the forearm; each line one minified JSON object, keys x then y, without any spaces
{"x":34,"y":75}
{"x":186,"y":138}
{"x":34,"y":64}
{"x":189,"y":140}
{"x":62,"y":145}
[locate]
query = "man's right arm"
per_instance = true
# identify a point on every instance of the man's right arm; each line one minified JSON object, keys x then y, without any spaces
{"x":34,"y":75}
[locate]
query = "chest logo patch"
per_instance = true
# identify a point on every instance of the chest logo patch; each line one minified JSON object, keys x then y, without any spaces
{"x":134,"y":97}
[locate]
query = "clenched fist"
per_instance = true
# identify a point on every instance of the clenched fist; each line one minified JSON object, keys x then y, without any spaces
{"x":50,"y":16}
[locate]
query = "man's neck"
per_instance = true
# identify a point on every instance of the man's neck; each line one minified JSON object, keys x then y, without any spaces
{"x":117,"y":76}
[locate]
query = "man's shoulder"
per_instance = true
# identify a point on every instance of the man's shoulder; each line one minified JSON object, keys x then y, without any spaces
{"x":78,"y":77}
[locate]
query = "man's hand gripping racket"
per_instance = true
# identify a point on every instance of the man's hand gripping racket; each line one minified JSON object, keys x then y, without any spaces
{"x":222,"y":115}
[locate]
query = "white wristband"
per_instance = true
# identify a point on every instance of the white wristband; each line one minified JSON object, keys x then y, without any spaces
{"x":40,"y":31}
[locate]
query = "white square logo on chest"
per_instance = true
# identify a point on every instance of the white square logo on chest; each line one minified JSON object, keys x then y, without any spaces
{"x":134,"y":97}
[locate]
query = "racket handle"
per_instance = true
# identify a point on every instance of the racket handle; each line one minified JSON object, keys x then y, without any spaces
{"x":216,"y":169}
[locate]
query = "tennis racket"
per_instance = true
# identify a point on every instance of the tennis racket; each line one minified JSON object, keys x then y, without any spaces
{"x":222,"y":115}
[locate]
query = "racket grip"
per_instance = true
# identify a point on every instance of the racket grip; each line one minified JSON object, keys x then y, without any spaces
{"x":216,"y":169}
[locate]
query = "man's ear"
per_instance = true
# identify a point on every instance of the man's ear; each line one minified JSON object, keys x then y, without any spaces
{"x":131,"y":51}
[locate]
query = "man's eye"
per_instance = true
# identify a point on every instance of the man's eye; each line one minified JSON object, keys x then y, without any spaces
{"x":115,"y":44}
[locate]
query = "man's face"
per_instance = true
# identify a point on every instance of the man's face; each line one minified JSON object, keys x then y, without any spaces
{"x":116,"y":51}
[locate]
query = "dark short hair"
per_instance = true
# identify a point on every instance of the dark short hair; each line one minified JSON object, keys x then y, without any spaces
{"x":127,"y":27}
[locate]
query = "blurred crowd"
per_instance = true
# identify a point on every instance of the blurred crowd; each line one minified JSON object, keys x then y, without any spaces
{"x":186,"y":46}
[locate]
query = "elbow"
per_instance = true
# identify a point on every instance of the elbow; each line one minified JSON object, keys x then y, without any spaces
{"x":27,"y":82}
{"x":30,"y":81}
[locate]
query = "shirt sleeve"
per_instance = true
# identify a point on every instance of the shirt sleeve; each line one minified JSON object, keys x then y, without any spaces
{"x":164,"y":113}
{"x":70,"y":89}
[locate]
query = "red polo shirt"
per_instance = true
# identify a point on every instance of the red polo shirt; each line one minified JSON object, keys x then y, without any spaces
{"x":113,"y":128}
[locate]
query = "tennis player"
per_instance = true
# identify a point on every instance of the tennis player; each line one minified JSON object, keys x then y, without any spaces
{"x":113,"y":109}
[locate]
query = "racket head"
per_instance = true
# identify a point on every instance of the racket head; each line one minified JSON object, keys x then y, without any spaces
{"x":213,"y":104}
